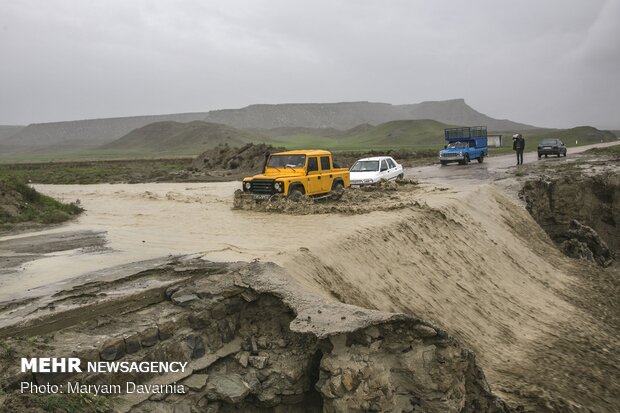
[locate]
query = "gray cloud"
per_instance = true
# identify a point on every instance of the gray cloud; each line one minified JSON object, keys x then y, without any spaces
{"x":550,"y":62}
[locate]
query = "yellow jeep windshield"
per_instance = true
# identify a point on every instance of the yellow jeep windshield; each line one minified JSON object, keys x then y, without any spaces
{"x":287,"y":161}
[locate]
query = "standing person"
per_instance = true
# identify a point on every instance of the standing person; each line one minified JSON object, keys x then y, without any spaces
{"x":518,"y":144}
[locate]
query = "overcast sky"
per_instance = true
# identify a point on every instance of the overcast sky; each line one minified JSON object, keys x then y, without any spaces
{"x":553,"y":63}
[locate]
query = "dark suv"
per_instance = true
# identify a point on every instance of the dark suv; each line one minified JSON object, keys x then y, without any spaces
{"x":551,"y":147}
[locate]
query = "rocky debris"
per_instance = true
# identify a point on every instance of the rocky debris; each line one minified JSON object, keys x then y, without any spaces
{"x":230,"y":388}
{"x":584,"y":243}
{"x":249,"y":157}
{"x":284,"y":349}
{"x":384,"y":196}
{"x":592,"y":201}
{"x":196,"y":381}
{"x":113,"y":349}
{"x":132,"y":343}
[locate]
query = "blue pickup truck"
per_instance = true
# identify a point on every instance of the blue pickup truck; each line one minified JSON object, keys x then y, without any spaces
{"x":464,"y":145}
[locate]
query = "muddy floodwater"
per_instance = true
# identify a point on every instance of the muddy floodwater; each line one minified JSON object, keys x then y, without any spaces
{"x":146,"y":221}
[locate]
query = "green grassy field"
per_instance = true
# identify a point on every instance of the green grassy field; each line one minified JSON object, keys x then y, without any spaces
{"x":610,"y":151}
{"x":402,"y":134}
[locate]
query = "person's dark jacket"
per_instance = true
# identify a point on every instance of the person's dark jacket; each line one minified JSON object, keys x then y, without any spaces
{"x":518,"y":143}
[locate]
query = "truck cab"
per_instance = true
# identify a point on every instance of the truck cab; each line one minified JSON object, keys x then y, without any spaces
{"x":464,"y":145}
{"x":297,"y":173}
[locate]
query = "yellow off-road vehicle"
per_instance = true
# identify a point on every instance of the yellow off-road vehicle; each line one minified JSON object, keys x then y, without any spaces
{"x":298,"y":173}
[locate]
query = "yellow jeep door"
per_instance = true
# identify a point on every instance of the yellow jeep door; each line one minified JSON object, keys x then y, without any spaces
{"x":313,"y":180}
{"x":327,"y":178}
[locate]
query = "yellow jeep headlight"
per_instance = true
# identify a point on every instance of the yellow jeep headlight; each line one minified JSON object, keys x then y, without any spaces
{"x":278,"y":186}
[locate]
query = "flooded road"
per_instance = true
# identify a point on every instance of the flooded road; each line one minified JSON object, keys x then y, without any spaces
{"x":493,"y":167}
{"x":147,"y":221}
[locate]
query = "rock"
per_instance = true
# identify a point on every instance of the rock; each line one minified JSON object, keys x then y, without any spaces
{"x":258,"y":362}
{"x":112,"y":349}
{"x":132,"y":343}
{"x":582,"y":238}
{"x":243,"y":357}
{"x":335,"y":386}
{"x":424,"y":331}
{"x":196,"y":381}
{"x":251,"y":378}
{"x":269,"y":398}
{"x":182,"y":299}
{"x":230,"y":388}
{"x":218,"y":311}
{"x":85,"y":355}
{"x":226,"y":328}
{"x":149,"y":337}
{"x":373,"y":332}
{"x":578,"y":250}
{"x":196,"y":346}
{"x":166,"y":329}
{"x":249,"y":295}
{"x":262,"y":342}
{"x":348,"y":380}
{"x":183,"y":407}
{"x":397,"y":347}
{"x":199,"y":320}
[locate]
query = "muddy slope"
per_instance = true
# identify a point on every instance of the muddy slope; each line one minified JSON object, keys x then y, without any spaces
{"x":480,"y":266}
{"x":255,"y":342}
{"x":592,"y":200}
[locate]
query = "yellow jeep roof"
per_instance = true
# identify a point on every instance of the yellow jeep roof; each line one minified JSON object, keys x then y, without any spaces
{"x":309,"y":152}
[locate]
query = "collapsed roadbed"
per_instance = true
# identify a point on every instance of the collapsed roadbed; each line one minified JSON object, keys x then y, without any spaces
{"x":255,"y":341}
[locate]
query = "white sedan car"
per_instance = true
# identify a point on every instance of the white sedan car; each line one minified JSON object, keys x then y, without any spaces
{"x":369,"y":171}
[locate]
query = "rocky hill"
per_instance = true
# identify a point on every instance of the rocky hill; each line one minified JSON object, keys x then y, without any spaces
{"x":347,"y":115}
{"x":81,"y":134}
{"x":175,"y":136}
{"x":91,"y":133}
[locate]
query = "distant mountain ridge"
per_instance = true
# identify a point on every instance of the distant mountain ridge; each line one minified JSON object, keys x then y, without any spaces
{"x":347,"y":115}
{"x":6,"y":131}
{"x":91,"y":133}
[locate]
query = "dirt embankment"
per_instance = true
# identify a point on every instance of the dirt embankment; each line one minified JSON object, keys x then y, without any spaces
{"x":255,"y":341}
{"x":24,"y":206}
{"x":477,"y":264}
{"x":580,"y":211}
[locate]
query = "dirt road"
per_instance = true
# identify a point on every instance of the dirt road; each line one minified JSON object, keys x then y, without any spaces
{"x":493,"y":167}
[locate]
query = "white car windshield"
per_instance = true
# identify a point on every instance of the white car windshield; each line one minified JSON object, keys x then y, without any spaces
{"x":456,"y":145}
{"x":365,"y":166}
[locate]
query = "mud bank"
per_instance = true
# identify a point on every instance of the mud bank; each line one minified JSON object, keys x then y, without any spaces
{"x":564,"y":204}
{"x":477,"y":264}
{"x":254,"y":341}
{"x":17,"y":251}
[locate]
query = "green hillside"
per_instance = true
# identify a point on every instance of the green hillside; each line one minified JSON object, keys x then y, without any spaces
{"x":172,"y":139}
{"x":581,"y":135}
{"x":179,"y":138}
{"x":390,"y":135}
